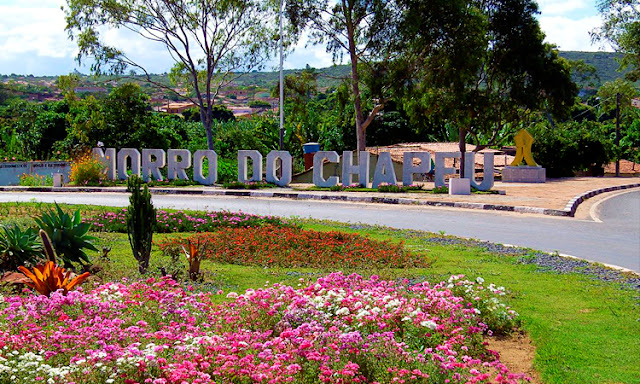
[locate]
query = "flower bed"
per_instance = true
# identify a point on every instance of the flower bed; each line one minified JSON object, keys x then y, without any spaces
{"x":271,"y":246}
{"x":339,"y":329}
{"x":180,"y":221}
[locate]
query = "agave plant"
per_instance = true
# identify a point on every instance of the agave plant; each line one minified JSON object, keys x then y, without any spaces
{"x":68,"y":235}
{"x":18,"y":247}
{"x":49,"y":278}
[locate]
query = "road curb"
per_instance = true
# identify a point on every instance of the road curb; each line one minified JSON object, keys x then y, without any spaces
{"x":573,"y":204}
{"x":568,"y":210}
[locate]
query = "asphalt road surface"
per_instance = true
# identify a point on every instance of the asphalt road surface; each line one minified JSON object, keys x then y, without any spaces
{"x":614,"y":238}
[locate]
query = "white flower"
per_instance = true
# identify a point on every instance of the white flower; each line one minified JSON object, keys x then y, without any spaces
{"x":480,"y":280}
{"x":232,"y":295}
{"x":429,"y":324}
{"x":362,"y":313}
{"x":342,"y":311}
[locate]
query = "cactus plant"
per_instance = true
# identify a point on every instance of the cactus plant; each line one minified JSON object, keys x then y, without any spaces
{"x":140,"y":218}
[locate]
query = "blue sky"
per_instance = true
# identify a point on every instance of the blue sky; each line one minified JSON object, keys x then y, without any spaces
{"x":33,"y":40}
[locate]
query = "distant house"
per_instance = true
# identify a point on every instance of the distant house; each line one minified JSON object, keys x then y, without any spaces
{"x":90,"y":90}
{"x":176,"y":107}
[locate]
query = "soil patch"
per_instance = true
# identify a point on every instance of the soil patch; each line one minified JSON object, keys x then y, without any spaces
{"x":517,"y":353}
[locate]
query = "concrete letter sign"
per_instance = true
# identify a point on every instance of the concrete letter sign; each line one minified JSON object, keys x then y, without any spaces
{"x":256,"y":158}
{"x":176,"y":169}
{"x":384,"y":170}
{"x":109,"y":160}
{"x":349,"y":169}
{"x":152,"y":161}
{"x":409,"y":169}
{"x":285,"y":159}
{"x":318,"y":165}
{"x":470,"y":165}
{"x":198,"y":160}
{"x":123,"y":155}
{"x":459,"y":186}
{"x":441,"y":170}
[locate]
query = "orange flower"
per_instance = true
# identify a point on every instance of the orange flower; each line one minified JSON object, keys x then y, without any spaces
{"x":49,"y":278}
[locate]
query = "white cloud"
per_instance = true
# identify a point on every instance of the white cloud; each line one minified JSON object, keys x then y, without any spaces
{"x":32,"y":32}
{"x":36,"y":31}
{"x":568,"y":34}
{"x":314,"y":55}
{"x":565,"y":7}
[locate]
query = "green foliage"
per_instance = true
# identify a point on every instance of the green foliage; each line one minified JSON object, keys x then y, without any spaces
{"x":249,"y":185}
{"x":88,"y":170}
{"x":242,"y":40}
{"x":29,"y":180}
{"x":140,"y":218}
{"x":440,"y":190}
{"x":68,"y":234}
{"x":259,"y":104}
{"x":18,"y":247}
{"x":571,"y":147}
{"x":607,"y":94}
{"x":227,"y":170}
{"x":621,"y":28}
{"x":394,"y":188}
{"x":484,"y":67}
{"x":218,"y":113}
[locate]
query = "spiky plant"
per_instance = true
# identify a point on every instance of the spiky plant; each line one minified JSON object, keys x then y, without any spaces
{"x":49,"y":278}
{"x":68,"y":234}
{"x":18,"y":247}
{"x":141,"y":219}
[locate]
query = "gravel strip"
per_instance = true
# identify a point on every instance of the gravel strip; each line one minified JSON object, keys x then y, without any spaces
{"x":546,"y":262}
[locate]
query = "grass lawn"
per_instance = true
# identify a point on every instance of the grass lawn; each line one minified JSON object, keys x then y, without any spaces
{"x":584,"y":330}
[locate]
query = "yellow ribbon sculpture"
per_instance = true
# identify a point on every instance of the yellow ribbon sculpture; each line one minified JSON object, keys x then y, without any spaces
{"x":524,"y":141}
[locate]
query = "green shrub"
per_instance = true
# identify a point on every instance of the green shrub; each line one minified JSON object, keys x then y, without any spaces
{"x":88,"y":170}
{"x":140,"y":218}
{"x":29,"y":180}
{"x":249,"y":185}
{"x":18,"y":247}
{"x":394,"y":188}
{"x":68,"y":234}
{"x":440,"y":190}
{"x":571,"y":147}
{"x":227,"y":170}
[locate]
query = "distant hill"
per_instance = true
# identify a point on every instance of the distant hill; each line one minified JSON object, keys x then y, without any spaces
{"x":329,"y":77}
{"x":605,"y":62}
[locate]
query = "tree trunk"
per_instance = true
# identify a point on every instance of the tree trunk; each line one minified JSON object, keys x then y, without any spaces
{"x":206,"y":123}
{"x":462,"y":145}
{"x":355,"y":81}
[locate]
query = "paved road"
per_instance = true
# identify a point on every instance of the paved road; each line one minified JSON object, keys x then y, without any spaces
{"x":615,"y":240}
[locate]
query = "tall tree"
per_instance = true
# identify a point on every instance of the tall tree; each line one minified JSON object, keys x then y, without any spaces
{"x":492,"y":70}
{"x":361,"y":29}
{"x":621,"y":28}
{"x":211,"y":41}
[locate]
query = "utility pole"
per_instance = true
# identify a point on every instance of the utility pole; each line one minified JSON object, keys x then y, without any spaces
{"x":281,"y":147}
{"x":617,"y":134}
